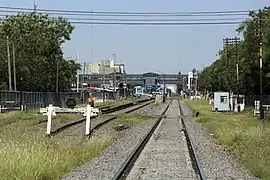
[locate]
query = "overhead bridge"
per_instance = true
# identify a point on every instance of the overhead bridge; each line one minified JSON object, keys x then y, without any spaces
{"x":133,"y":79}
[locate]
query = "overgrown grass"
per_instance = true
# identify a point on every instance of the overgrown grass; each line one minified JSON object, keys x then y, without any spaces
{"x":25,"y":153}
{"x":32,"y":116}
{"x":242,"y":134}
{"x":130,"y":120}
{"x":19,"y":115}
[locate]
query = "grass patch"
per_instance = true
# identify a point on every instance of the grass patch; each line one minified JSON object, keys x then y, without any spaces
{"x":18,"y":116}
{"x":242,"y":134}
{"x":66,"y":117}
{"x":25,"y":153}
{"x":32,"y":117}
{"x":130,"y":120}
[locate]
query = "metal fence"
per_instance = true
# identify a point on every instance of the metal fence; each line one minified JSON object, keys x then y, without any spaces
{"x":18,"y":100}
{"x":249,"y":100}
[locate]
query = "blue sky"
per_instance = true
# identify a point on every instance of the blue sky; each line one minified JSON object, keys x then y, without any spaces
{"x":143,"y":48}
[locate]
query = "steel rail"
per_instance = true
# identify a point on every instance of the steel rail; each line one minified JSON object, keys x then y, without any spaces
{"x":114,"y":117}
{"x":128,"y":164}
{"x":196,"y":163}
{"x":115,"y":109}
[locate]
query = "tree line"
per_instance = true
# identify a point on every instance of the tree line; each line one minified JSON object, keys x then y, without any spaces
{"x":34,"y":41}
{"x":221,"y":75}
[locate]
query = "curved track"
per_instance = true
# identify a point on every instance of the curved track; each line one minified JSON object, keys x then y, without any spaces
{"x":112,"y":112}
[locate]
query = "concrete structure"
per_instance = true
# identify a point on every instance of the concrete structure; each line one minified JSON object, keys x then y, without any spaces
{"x":93,"y":68}
{"x":221,"y":101}
{"x":147,"y":79}
{"x":105,"y":67}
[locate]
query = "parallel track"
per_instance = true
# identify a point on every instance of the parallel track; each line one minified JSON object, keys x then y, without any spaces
{"x":129,"y":163}
{"x":192,"y":152}
{"x":108,"y":111}
{"x":127,"y":166}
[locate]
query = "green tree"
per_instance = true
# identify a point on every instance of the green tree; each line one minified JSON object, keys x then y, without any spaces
{"x":221,"y":75}
{"x":37,"y":39}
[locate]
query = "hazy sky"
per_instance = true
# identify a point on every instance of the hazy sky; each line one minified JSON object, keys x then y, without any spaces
{"x":143,"y":48}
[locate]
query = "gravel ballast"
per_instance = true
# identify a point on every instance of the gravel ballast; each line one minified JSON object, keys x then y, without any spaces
{"x":108,"y":163}
{"x":166,"y":155}
{"x":76,"y":132}
{"x":216,"y":163}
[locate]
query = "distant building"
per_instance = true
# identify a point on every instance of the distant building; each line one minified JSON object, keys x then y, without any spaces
{"x":189,"y":80}
{"x":93,"y":68}
{"x":106,"y":67}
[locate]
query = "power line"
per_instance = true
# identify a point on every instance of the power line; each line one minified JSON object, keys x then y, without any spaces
{"x":160,"y":24}
{"x":117,"y":13}
{"x":132,"y":22}
{"x":135,"y":20}
{"x":123,"y":12}
{"x":162,"y":20}
{"x":126,"y":15}
{"x":143,"y":21}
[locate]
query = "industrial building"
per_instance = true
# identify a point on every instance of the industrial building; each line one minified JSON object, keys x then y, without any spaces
{"x":106,"y":67}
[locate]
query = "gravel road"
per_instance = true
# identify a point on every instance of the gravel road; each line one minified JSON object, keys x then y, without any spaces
{"x":108,"y":163}
{"x":216,"y":163}
{"x":166,"y":155}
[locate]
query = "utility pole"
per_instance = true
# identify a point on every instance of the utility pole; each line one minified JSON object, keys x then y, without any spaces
{"x":164,"y":86}
{"x":114,"y":83}
{"x":231,"y":45}
{"x":259,"y":34}
{"x":226,"y":44}
{"x":14,"y":67}
{"x":125,"y":85}
{"x":35,"y":6}
{"x":84,"y":66}
{"x":236,"y":42}
{"x":78,"y":75}
{"x":103,"y":93}
{"x":114,"y":58}
{"x":9,"y":65}
{"x":57,"y":77}
{"x":194,"y":78}
{"x":114,"y":77}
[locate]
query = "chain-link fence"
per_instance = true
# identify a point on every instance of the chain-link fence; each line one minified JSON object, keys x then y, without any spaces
{"x":18,"y":100}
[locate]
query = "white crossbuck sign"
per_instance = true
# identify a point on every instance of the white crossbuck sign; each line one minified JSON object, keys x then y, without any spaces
{"x":87,"y":112}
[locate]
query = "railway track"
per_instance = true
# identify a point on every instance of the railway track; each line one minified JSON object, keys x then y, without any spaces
{"x":107,"y":114}
{"x":109,"y":109}
{"x":192,"y":152}
{"x":138,"y":156}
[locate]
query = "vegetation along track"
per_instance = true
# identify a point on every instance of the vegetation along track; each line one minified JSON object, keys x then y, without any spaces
{"x":110,"y":112}
{"x":129,"y":163}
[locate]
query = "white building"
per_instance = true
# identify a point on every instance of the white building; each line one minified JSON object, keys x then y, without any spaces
{"x":189,"y":80}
